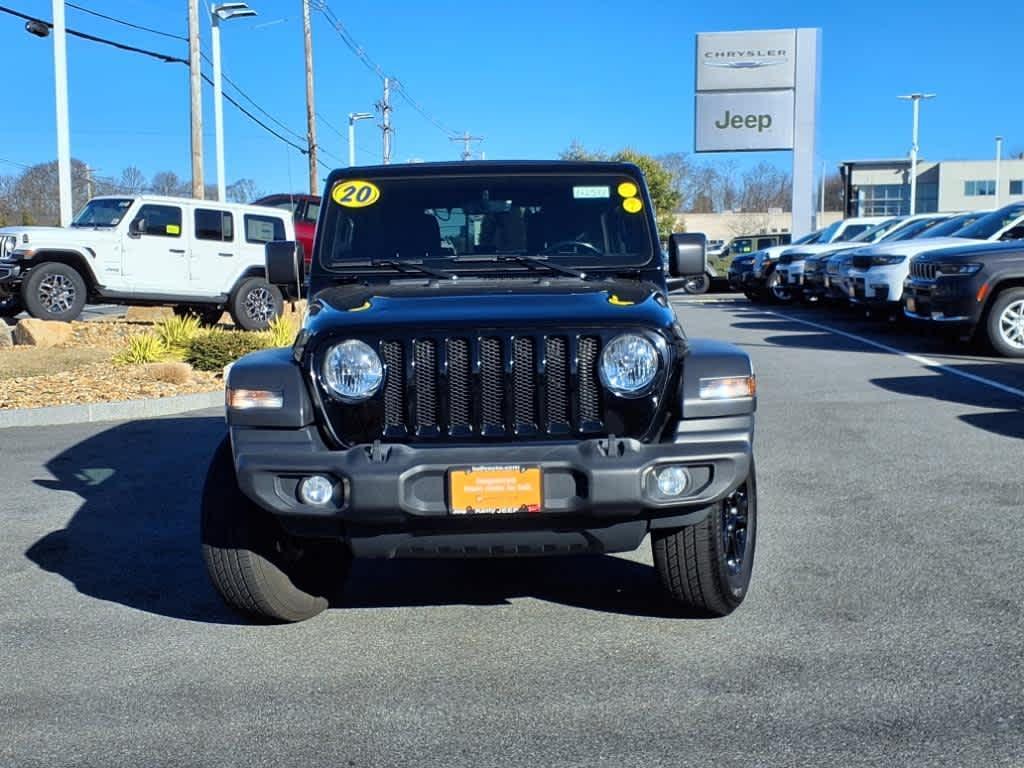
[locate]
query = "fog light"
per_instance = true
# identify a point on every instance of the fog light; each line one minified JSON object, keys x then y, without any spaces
{"x":672,"y":481}
{"x":316,"y":490}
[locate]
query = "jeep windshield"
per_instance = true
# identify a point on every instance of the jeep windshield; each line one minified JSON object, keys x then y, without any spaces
{"x":103,"y":212}
{"x":484,"y":221}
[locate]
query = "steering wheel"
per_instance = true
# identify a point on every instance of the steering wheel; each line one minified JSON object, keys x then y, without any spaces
{"x":554,"y":247}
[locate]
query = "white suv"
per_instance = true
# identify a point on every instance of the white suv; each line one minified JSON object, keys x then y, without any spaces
{"x":878,"y":272}
{"x":201,"y":256}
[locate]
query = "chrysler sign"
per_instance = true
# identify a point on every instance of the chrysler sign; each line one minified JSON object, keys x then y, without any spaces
{"x":736,"y":61}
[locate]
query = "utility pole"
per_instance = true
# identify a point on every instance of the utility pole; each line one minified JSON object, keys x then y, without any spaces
{"x":88,"y":182}
{"x":916,"y":99}
{"x":384,"y":106}
{"x":195,"y":83}
{"x":307,"y":31}
{"x":465,"y":138}
{"x":60,"y":82}
{"x":999,"y":160}
{"x":821,"y":198}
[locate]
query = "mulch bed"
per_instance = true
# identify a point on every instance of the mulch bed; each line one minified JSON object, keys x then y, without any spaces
{"x":81,"y":371}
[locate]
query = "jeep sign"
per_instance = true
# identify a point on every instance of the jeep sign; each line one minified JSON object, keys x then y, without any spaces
{"x":758,"y":120}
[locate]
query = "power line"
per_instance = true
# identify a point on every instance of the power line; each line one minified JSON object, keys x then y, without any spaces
{"x":168,"y":59}
{"x":126,"y":23}
{"x":352,"y":44}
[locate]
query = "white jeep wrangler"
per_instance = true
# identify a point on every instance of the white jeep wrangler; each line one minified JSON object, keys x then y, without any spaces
{"x":201,"y":256}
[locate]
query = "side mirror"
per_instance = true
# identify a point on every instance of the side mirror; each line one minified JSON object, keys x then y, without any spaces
{"x":136,"y":227}
{"x":283,"y":260}
{"x":687,"y":254}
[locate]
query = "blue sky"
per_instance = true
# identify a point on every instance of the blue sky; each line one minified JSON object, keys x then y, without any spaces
{"x":529,"y":76}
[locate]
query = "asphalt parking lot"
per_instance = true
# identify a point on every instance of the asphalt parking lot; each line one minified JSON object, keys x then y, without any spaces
{"x":883,"y":627}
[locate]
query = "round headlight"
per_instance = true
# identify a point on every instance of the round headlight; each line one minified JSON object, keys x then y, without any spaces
{"x":628,"y":365}
{"x":353,"y":371}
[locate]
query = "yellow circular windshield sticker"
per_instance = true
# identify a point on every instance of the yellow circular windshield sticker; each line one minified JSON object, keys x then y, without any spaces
{"x":355,"y":193}
{"x":627,"y":189}
{"x":632,"y":205}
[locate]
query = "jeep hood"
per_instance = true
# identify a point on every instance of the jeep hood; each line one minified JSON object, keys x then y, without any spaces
{"x":914,"y":247}
{"x":526,"y":304}
{"x":49,"y":235}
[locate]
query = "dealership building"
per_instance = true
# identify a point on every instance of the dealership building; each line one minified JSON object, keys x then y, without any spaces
{"x":882,"y":187}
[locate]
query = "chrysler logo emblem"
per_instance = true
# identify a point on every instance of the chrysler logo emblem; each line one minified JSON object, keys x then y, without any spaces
{"x":747,"y":64}
{"x":748,"y":59}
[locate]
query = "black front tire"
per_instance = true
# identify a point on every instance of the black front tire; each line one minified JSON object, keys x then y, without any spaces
{"x":778,"y":292}
{"x":704,"y":567}
{"x":255,"y":303}
{"x":697,"y":285}
{"x":11,"y":304}
{"x":1002,"y":323}
{"x":258,"y":570}
{"x":207,"y":316}
{"x":54,"y":291}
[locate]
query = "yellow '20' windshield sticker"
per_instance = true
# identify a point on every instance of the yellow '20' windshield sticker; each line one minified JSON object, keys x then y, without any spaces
{"x":355,"y":193}
{"x":627,"y":189}
{"x":632,"y":205}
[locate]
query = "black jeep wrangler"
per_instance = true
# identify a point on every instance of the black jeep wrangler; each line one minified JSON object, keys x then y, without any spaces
{"x":489,"y":367}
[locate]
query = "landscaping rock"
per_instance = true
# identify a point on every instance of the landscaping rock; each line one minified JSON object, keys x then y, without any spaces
{"x":6,"y":336}
{"x":42,"y":333}
{"x":295,"y":307}
{"x":147,"y":314}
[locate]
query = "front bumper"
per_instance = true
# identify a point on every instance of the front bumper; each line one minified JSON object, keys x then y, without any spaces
{"x":946,"y":300}
{"x":741,"y":279}
{"x":392,"y":499}
{"x":10,"y":274}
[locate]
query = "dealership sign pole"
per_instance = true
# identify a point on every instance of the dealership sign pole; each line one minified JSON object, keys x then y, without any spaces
{"x":758,"y":91}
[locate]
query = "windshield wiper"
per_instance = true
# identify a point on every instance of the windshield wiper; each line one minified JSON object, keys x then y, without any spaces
{"x":541,"y":262}
{"x":409,"y":266}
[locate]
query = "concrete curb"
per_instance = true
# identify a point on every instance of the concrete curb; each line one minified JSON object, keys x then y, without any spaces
{"x":117,"y":411}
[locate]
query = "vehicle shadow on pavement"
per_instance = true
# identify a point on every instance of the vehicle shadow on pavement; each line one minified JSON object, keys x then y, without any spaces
{"x":135,"y":538}
{"x":938,"y":386}
{"x":593,"y":582}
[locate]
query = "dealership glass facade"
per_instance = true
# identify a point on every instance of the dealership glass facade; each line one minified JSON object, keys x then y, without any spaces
{"x":1017,"y":186}
{"x":894,"y":199}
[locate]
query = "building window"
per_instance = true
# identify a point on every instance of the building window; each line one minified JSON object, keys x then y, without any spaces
{"x":883,"y":200}
{"x":980,"y":188}
{"x":1017,"y":187}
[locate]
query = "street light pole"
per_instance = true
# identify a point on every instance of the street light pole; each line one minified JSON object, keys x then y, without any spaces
{"x":999,"y":160}
{"x":218,"y":13}
{"x":916,"y":99}
{"x":60,"y":82}
{"x":353,"y":118}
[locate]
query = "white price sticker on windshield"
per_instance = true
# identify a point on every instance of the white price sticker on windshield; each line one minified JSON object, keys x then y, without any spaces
{"x":591,"y":193}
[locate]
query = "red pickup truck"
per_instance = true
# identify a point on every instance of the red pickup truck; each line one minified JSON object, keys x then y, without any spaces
{"x":305,"y":210}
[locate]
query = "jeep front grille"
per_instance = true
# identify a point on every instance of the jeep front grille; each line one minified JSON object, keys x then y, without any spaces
{"x":923,"y":270}
{"x":494,"y":385}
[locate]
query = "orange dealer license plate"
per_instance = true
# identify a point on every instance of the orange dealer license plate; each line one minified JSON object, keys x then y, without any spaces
{"x":494,"y":490}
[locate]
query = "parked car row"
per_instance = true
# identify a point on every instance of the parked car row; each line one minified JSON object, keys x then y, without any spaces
{"x":964,"y":271}
{"x":201,"y":256}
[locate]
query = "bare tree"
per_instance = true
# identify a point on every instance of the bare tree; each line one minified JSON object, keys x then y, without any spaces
{"x":168,"y":183}
{"x":132,"y":181}
{"x":834,"y":192}
{"x":243,"y":191}
{"x":765,"y":187}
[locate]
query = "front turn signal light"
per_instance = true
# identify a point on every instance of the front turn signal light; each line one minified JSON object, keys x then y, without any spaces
{"x":728,"y":387}
{"x":249,"y":399}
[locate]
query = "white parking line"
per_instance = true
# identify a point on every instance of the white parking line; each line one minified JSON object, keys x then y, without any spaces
{"x":926,"y":362}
